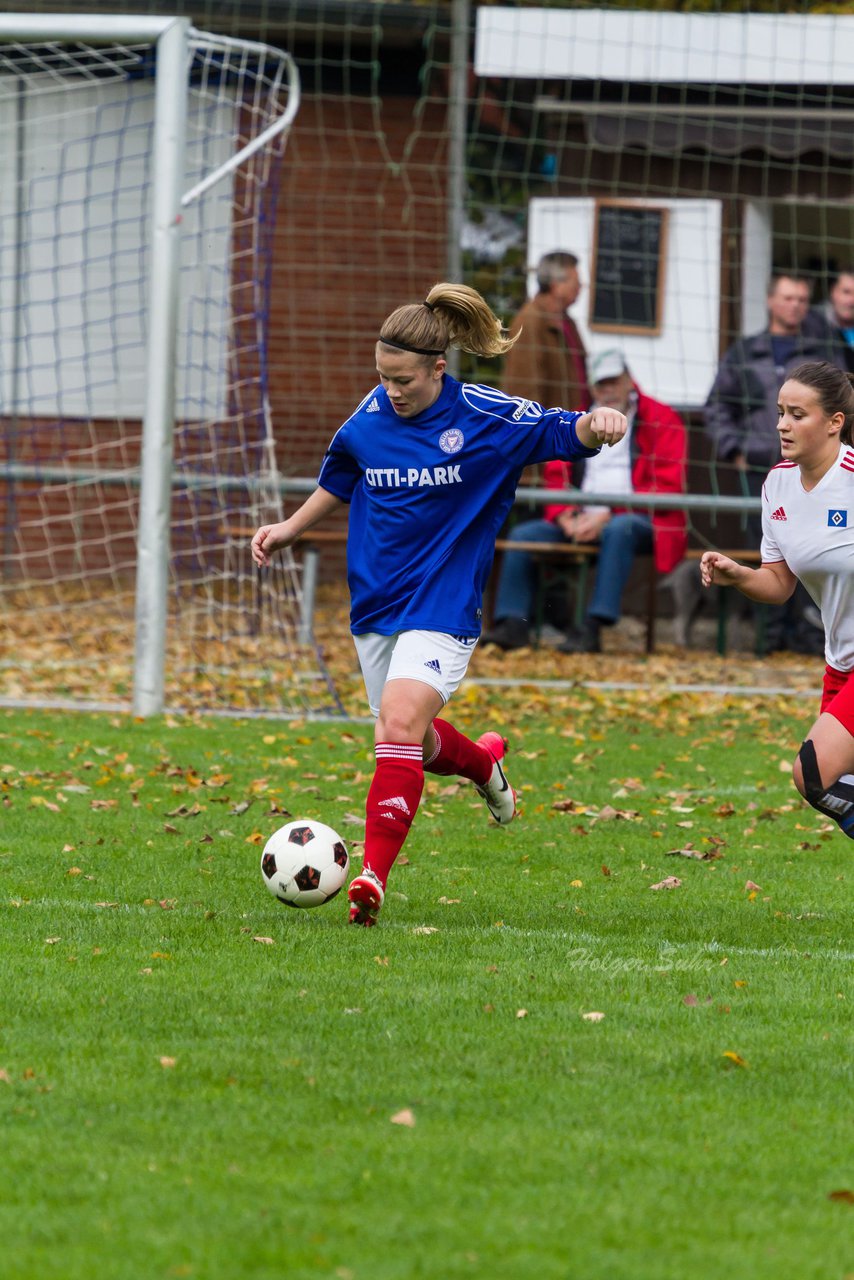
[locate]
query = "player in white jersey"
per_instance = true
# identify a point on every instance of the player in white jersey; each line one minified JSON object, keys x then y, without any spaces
{"x":429,"y":467}
{"x":808,"y":535}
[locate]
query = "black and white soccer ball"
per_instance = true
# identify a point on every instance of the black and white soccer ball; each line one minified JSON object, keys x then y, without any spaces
{"x":305,"y":863}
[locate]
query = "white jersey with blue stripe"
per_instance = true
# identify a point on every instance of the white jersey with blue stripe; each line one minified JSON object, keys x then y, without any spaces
{"x":428,"y":496}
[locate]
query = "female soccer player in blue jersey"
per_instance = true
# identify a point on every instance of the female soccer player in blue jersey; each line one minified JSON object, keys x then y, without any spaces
{"x":429,"y":466}
{"x":808,"y":534}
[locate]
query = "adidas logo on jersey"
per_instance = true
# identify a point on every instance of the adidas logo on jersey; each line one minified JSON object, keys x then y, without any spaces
{"x":434,"y":665}
{"x":374,"y":406}
{"x":779,"y":514}
{"x":393,"y":802}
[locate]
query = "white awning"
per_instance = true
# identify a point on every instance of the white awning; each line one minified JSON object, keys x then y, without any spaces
{"x":628,"y":46}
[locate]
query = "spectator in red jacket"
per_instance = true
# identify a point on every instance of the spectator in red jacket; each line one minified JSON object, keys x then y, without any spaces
{"x":652,"y":458}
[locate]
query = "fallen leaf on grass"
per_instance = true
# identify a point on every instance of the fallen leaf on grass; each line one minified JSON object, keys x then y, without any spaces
{"x":691,"y":1000}
{"x":845,"y":1196}
{"x":166,"y":1063}
{"x":593,"y":1016}
{"x":183,"y":811}
{"x":422,"y":930}
{"x":448,"y":902}
{"x":521,"y":1013}
{"x":268,"y":942}
{"x":5,"y":1078}
{"x":568,"y":806}
{"x":404,"y":1117}
{"x":751,"y":886}
{"x":689,"y":851}
{"x":736,"y":1059}
{"x":670,"y":882}
{"x":609,"y":814}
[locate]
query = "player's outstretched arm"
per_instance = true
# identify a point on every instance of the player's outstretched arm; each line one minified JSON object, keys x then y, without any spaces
{"x":273,"y":537}
{"x":770,"y":583}
{"x":601,"y":426}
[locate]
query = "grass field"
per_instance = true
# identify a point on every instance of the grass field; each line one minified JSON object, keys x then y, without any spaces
{"x":197,"y":1082}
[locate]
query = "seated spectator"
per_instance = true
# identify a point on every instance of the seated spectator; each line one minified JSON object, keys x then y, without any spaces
{"x":650,"y":459}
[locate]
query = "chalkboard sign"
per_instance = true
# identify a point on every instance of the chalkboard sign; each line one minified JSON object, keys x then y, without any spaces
{"x":627,"y":276}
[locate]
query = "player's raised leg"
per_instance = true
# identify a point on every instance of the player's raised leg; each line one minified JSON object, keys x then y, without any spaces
{"x":453,"y":753}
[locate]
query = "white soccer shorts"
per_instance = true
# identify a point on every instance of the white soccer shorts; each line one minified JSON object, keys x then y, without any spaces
{"x":429,"y":656}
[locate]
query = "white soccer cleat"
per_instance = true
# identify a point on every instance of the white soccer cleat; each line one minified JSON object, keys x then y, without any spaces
{"x":499,"y":795}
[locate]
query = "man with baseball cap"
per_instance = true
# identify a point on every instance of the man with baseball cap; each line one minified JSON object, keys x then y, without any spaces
{"x":650,"y":459}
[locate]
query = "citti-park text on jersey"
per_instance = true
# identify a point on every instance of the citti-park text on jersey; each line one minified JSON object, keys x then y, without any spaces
{"x":412,"y":477}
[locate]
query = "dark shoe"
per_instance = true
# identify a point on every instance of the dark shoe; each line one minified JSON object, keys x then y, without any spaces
{"x":584,"y":639}
{"x":508,"y":633}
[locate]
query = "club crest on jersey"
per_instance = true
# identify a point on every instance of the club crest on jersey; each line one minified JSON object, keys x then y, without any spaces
{"x":837,"y":519}
{"x":452,"y":440}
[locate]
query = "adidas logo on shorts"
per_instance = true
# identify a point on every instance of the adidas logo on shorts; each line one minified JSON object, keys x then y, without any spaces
{"x":434,"y":665}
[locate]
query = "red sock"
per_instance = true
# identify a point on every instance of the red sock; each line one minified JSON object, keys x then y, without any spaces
{"x":458,"y":754}
{"x":393,"y":798}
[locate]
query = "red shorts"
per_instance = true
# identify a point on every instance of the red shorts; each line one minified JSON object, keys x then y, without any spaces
{"x":837,"y":696}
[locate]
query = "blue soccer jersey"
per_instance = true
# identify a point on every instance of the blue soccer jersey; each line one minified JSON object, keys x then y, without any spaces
{"x":428,"y":496}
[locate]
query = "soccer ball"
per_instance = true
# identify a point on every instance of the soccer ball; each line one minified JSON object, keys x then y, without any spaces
{"x":305,"y":863}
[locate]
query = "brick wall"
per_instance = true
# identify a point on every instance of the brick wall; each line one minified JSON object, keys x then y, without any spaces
{"x":360,"y":229}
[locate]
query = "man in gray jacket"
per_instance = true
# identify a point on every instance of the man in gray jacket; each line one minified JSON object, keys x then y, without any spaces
{"x":741,"y":417}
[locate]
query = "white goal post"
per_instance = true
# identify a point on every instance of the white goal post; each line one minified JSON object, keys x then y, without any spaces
{"x":133,"y":392}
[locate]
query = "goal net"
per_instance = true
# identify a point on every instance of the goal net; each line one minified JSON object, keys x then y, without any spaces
{"x":78,"y":122}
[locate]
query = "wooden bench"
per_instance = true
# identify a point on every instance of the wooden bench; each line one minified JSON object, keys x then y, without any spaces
{"x":310,"y":544}
{"x":578,"y":555}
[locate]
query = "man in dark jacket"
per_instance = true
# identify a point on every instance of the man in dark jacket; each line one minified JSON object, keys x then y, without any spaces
{"x":741,"y":417}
